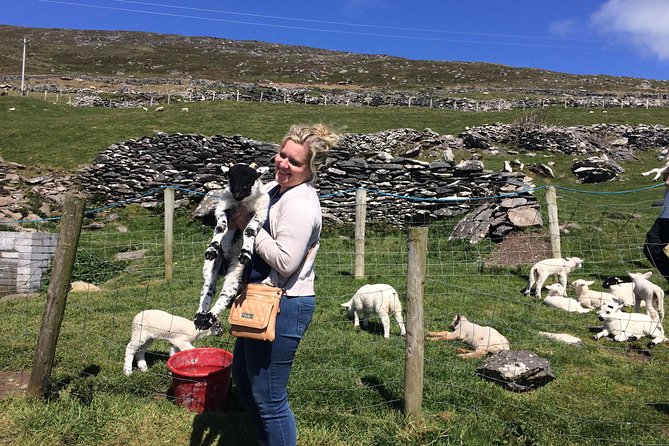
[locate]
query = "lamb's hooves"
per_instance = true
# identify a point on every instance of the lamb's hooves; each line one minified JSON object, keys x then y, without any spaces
{"x":245,"y":257}
{"x":212,"y":251}
{"x":204,"y":321}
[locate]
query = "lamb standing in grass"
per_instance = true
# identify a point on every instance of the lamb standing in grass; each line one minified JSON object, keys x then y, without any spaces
{"x":623,"y":326}
{"x":647,"y":291}
{"x":542,"y":270}
{"x":591,"y":298}
{"x":228,"y":252}
{"x":557,"y":298}
{"x":150,"y":325}
{"x":377,"y":298}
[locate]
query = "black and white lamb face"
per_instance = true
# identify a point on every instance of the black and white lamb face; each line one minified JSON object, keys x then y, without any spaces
{"x":241,"y":179}
{"x":608,"y":309}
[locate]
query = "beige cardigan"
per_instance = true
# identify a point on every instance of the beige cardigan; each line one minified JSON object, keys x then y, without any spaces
{"x":295,"y":222}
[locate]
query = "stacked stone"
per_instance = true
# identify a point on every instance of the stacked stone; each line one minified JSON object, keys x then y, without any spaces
{"x":403,"y":190}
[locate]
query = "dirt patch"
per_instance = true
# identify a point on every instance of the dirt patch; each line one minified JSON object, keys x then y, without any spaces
{"x":13,"y":382}
{"x":519,"y":248}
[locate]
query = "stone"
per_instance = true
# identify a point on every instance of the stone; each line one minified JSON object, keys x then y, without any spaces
{"x":83,"y":287}
{"x":525,"y":217}
{"x":562,"y":337}
{"x":596,"y":170}
{"x":516,"y":370}
{"x":131,"y":255}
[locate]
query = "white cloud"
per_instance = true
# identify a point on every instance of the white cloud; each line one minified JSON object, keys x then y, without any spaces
{"x":563,"y":28}
{"x":644,"y":23}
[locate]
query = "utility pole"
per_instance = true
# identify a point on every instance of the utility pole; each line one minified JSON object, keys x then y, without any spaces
{"x":23,"y":67}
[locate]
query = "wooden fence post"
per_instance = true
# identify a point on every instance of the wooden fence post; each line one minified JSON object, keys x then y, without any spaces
{"x":56,"y":295}
{"x":360,"y":217}
{"x":169,"y":231}
{"x":553,"y":225}
{"x":414,"y":359}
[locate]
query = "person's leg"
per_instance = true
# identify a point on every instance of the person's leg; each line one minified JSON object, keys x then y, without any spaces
{"x":269,"y":365}
{"x":241,"y":379}
{"x":656,"y":239}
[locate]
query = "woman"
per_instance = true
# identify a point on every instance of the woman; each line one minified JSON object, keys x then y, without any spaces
{"x":285,"y":250}
{"x":658,"y":236}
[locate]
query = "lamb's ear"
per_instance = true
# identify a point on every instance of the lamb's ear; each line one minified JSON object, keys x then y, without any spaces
{"x":253,"y":166}
{"x":648,"y":274}
{"x":589,"y":282}
{"x":346,"y":305}
{"x":260,"y":171}
{"x":225,"y":169}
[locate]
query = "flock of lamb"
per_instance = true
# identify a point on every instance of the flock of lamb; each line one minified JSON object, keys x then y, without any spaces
{"x":246,"y":189}
{"x":637,"y":292}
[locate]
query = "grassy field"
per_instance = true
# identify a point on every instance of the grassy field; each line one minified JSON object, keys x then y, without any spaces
{"x":347,"y":385}
{"x":50,"y":135}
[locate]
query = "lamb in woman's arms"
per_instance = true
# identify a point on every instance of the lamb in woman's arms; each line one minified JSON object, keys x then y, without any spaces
{"x":230,"y":249}
{"x":380,"y":299}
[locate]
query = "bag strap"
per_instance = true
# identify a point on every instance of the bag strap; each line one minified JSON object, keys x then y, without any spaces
{"x":311,"y":248}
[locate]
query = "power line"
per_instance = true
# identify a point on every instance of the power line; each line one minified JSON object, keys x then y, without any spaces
{"x":397,"y":28}
{"x":298,"y":28}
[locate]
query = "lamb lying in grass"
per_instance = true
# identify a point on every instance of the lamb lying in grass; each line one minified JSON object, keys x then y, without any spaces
{"x":647,"y":291}
{"x":624,"y":289}
{"x":380,"y":299}
{"x":591,"y":298}
{"x":542,"y":270}
{"x":557,"y":298}
{"x":482,"y":339}
{"x":623,"y":326}
{"x":150,"y":325}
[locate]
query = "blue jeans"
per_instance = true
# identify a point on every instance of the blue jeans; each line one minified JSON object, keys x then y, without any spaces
{"x":261,"y":369}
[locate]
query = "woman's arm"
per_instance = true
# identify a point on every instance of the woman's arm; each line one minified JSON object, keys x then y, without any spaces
{"x":296,"y":221}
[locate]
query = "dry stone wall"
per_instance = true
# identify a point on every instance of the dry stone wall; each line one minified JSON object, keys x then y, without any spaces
{"x":145,"y":93}
{"x":401,"y":188}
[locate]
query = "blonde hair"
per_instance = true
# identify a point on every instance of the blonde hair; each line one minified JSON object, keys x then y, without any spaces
{"x":317,"y":137}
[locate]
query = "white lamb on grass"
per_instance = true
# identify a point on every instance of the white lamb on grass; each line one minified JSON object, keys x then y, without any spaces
{"x":542,"y":270}
{"x":622,"y":289}
{"x":646,"y":291}
{"x":228,"y":253}
{"x":592,"y":298}
{"x":557,"y":298}
{"x":151,"y":325}
{"x":623,"y":326}
{"x":380,"y":299}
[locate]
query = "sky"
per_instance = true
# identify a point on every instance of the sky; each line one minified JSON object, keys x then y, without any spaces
{"x":593,"y":37}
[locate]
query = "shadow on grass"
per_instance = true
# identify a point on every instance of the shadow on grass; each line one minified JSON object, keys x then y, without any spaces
{"x":663,"y":408}
{"x":80,"y":386}
{"x":229,"y":426}
{"x":391,"y":400}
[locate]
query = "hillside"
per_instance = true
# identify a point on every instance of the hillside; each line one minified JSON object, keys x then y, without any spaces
{"x":114,"y":56}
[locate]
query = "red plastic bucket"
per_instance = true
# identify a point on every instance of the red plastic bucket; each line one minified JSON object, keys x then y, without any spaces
{"x":201,"y":378}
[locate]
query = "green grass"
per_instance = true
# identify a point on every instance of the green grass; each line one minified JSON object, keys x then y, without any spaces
{"x":347,"y":385}
{"x":51,"y":135}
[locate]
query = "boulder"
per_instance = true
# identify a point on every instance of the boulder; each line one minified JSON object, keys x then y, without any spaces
{"x":516,"y":370}
{"x":596,"y":170}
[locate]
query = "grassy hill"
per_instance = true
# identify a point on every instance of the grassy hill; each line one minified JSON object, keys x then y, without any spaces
{"x":55,"y":53}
